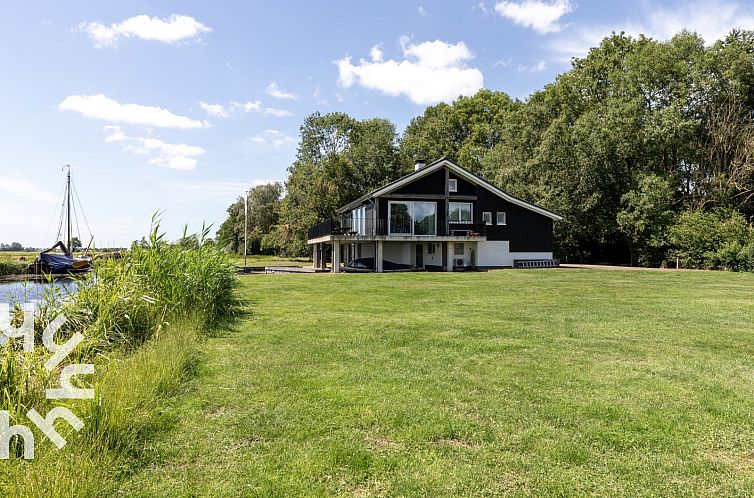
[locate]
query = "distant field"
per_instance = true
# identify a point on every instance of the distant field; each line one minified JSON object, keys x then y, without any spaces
{"x":17,"y":255}
{"x":518,"y":382}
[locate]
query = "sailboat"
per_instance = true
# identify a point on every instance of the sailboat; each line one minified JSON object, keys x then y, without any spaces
{"x":64,"y":262}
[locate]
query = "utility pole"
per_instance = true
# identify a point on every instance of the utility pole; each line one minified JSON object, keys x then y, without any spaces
{"x":245,"y":224}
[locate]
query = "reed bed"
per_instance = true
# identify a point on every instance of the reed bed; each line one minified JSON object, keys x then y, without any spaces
{"x":11,"y":266}
{"x":143,"y":317}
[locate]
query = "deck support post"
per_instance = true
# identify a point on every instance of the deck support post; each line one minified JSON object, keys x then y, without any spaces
{"x":378,"y":257}
{"x":315,"y":262}
{"x":336,"y":256}
{"x":321,"y":256}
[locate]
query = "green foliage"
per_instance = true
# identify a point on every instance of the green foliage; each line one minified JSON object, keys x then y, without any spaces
{"x":714,"y":240}
{"x":160,"y":294}
{"x":678,"y":111}
{"x":11,"y":266}
{"x":263,"y":214}
{"x":339,"y":159}
{"x":645,"y":218}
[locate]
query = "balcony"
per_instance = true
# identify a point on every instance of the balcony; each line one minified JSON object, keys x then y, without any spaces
{"x":358,"y":228}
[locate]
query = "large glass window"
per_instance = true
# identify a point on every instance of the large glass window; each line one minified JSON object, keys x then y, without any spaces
{"x":413,"y":218}
{"x":425,"y":214}
{"x":459,"y":212}
{"x":358,"y":221}
{"x":400,"y":218}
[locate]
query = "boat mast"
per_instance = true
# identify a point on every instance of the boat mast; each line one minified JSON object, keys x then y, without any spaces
{"x":68,"y":210}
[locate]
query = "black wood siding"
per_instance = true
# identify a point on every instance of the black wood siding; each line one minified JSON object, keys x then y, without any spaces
{"x":433,"y":183}
{"x":526,"y":230}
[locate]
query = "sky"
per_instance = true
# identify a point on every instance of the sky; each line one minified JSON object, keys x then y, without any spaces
{"x":182,"y":106}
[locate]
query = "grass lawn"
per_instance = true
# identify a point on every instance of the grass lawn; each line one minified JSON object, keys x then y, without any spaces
{"x":265,"y":260}
{"x":538,"y":382}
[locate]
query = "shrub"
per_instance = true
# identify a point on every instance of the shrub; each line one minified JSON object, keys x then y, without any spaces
{"x":714,"y":240}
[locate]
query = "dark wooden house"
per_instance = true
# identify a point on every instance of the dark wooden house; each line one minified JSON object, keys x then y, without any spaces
{"x":440,"y":217}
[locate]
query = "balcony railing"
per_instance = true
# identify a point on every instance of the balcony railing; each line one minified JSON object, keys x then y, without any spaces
{"x":379,"y":227}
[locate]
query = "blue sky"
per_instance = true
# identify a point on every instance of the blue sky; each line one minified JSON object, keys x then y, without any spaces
{"x":182,"y":105}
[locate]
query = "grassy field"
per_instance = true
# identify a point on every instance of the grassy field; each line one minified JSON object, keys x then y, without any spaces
{"x":15,"y":263}
{"x":543,"y":382}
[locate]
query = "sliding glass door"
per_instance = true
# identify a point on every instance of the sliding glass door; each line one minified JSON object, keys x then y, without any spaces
{"x":412,"y":218}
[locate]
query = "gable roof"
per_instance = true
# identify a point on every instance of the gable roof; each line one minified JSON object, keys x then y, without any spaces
{"x":459,"y":171}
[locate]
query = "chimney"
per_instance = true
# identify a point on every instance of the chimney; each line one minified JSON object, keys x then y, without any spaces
{"x":419,"y":164}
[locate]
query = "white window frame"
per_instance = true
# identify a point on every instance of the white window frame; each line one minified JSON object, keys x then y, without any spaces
{"x":487,"y":217}
{"x":497,"y":218}
{"x":452,"y":185}
{"x":463,"y":249}
{"x":411,"y":214}
{"x":471,"y":210}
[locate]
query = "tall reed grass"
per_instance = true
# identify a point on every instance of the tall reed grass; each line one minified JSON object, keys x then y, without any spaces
{"x":143,"y":317}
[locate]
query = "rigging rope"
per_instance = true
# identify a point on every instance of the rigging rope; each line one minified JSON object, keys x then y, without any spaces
{"x":49,"y":223}
{"x":62,"y":214}
{"x":81,"y":206}
{"x":78,"y":231}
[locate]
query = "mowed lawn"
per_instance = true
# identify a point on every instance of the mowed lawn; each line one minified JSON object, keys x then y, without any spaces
{"x":518,"y":382}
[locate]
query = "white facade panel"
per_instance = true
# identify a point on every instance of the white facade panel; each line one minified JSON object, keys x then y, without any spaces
{"x":497,"y":253}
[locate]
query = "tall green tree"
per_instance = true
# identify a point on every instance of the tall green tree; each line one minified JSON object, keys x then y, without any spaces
{"x":263,"y":214}
{"x":339,"y":159}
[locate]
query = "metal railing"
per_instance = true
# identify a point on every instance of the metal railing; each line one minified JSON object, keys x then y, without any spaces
{"x":380,"y":226}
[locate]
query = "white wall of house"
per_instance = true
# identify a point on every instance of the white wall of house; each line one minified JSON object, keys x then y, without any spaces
{"x":497,"y":253}
{"x":468,"y":248}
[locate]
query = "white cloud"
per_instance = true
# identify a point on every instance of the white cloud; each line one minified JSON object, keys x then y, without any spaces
{"x":431,"y":72}
{"x":535,"y":68}
{"x":220,"y":110}
{"x":540,"y":15}
{"x":317,"y":94}
{"x":662,"y":23}
{"x":174,"y":156}
{"x":171,"y":30}
{"x":216,"y":110}
{"x":274,"y":91}
{"x":104,"y":108}
{"x":25,"y":189}
{"x":421,"y":11}
{"x":275,"y":137}
{"x":376,"y":53}
{"x":481,"y":7}
{"x":278,"y":113}
{"x":247,"y":106}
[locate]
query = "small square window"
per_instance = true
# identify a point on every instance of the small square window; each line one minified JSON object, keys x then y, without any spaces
{"x":501,"y":218}
{"x":452,"y":185}
{"x":487,"y":218}
{"x":457,"y":249}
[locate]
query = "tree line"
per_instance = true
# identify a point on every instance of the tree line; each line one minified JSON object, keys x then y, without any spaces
{"x":645,"y":147}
